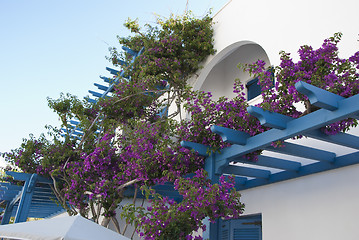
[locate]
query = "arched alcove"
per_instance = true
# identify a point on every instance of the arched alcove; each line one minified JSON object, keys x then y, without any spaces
{"x":219,"y":74}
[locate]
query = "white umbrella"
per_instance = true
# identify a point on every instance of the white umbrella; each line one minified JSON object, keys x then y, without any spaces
{"x":61,"y":228}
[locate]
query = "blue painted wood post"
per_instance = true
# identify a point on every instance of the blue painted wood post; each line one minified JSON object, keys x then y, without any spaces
{"x":26,"y":197}
{"x":11,"y":201}
{"x":210,"y":167}
{"x":211,"y":229}
{"x":7,"y":214}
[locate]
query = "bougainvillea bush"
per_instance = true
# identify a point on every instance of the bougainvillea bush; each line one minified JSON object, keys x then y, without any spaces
{"x":127,"y":142}
{"x":320,"y":67}
{"x":168,"y":219}
{"x":131,"y":139}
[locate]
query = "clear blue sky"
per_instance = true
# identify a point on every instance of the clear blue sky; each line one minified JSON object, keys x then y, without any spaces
{"x":52,"y":46}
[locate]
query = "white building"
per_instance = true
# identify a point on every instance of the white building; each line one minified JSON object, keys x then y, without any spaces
{"x":312,"y":203}
{"x":318,"y":206}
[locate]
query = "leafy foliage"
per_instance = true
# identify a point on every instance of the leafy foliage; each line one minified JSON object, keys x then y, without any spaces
{"x":126,"y":141}
{"x":321,"y":67}
{"x":167,"y":219}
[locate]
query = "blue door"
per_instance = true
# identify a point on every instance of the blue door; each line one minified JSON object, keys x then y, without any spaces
{"x":244,"y":228}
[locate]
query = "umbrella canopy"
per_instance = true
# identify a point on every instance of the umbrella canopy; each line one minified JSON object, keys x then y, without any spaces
{"x":61,"y":228}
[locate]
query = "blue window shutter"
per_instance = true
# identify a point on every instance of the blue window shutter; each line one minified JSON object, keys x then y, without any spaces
{"x":224,"y":230}
{"x":246,"y":234}
{"x":253,"y":89}
{"x":244,"y":228}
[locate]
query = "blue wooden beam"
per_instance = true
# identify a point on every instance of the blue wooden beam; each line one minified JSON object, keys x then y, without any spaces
{"x":101,"y":87}
{"x":269,"y":119}
{"x":19,"y":176}
{"x":315,"y":120}
{"x":113,"y":71}
{"x":246,"y":171}
{"x":75,"y":137}
{"x":109,"y":80}
{"x":319,"y":97}
{"x":230,"y":135}
{"x":122,"y":63}
{"x":240,"y":181}
{"x":163,"y":190}
{"x":9,"y":186}
{"x":77,"y":133}
{"x":201,"y":149}
{"x":303,"y":151}
{"x":237,"y":180}
{"x":340,"y":138}
{"x":342,"y":161}
{"x":272,"y":162}
{"x":67,"y":135}
{"x":96,"y":94}
{"x":90,"y":100}
{"x":75,"y":128}
{"x":25,"y":176}
{"x":130,"y":51}
{"x":110,"y":89}
{"x":211,"y":168}
{"x":9,"y":196}
{"x":73,"y":122}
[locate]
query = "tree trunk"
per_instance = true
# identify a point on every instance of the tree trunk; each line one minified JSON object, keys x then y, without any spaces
{"x":105,"y":222}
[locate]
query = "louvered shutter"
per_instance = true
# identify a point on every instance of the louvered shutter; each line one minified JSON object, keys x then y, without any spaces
{"x":253,"y":89}
{"x":244,"y":228}
{"x":224,"y":230}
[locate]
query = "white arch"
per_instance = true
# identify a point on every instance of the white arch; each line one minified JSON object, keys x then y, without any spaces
{"x":219,"y":73}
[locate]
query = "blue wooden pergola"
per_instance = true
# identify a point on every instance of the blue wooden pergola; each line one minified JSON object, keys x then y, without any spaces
{"x":103,"y":91}
{"x":282,"y":163}
{"x":33,"y":199}
{"x":293,"y":160}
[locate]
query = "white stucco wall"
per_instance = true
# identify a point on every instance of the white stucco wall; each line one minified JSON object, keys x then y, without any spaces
{"x":285,"y":25}
{"x":319,"y":206}
{"x":281,"y":25}
{"x":220,"y":73}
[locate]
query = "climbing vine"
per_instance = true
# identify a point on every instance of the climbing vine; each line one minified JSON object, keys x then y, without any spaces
{"x":131,"y":139}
